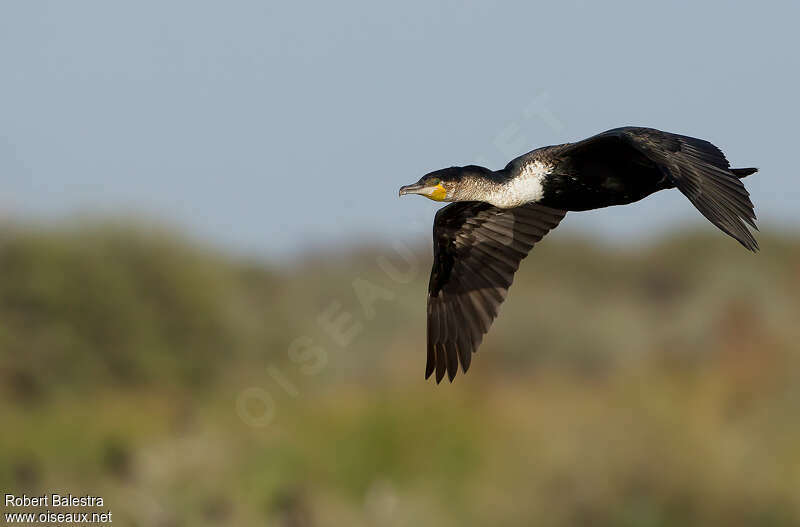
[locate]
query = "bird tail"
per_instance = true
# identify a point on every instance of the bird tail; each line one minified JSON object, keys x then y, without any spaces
{"x":743,"y":172}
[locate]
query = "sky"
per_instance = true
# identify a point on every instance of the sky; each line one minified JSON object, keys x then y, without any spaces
{"x":272,"y":128}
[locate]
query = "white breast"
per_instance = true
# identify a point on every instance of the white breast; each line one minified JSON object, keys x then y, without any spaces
{"x":527,"y":187}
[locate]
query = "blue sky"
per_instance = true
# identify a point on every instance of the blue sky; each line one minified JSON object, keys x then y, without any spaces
{"x":270,"y":128}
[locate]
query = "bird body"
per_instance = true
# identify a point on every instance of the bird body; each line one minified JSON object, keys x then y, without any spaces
{"x":497,"y":217}
{"x":571,"y":185}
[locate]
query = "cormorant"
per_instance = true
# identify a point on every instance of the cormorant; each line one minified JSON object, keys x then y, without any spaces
{"x":479,"y":241}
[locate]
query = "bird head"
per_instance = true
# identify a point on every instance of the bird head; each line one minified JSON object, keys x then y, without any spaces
{"x":445,"y":184}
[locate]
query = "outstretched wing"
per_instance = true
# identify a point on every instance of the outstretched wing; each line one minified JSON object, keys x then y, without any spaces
{"x":477,"y":248}
{"x":696,"y":167}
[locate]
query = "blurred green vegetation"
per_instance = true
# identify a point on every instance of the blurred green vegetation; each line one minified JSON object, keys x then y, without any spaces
{"x":646,"y":386}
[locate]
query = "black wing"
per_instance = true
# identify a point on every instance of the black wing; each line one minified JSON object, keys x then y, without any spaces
{"x":698,"y":168}
{"x":477,"y":248}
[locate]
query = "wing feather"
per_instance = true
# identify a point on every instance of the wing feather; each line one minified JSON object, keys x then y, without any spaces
{"x":477,"y":250}
{"x":697,"y":168}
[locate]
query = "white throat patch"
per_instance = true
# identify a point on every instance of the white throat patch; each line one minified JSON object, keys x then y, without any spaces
{"x":527,"y":187}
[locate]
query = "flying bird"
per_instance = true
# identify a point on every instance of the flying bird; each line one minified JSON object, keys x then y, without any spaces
{"x":498,"y":216}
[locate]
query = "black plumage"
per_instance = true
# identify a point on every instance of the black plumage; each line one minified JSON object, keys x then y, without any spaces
{"x":477,"y":250}
{"x":480,"y":241}
{"x":643,"y":160}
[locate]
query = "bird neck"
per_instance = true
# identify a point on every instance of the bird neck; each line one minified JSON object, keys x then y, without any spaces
{"x":507,"y":188}
{"x":480,"y":185}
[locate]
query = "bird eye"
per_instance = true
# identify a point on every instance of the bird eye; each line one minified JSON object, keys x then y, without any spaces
{"x":434,"y":181}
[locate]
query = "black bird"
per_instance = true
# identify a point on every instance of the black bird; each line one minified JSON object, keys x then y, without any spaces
{"x":479,"y":241}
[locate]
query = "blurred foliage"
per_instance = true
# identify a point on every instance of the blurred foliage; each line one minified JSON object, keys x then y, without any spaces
{"x":625,"y":387}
